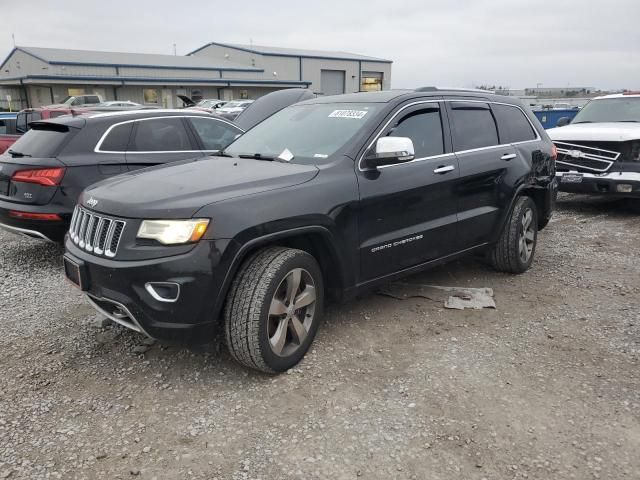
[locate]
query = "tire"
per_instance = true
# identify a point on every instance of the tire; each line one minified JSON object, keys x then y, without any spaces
{"x":507,"y":254}
{"x":262,"y":330}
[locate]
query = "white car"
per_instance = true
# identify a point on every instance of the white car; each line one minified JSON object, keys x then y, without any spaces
{"x":119,"y":103}
{"x":599,"y":150}
{"x":233,"y":108}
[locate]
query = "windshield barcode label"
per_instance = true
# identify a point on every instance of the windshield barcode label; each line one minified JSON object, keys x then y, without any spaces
{"x":357,"y":114}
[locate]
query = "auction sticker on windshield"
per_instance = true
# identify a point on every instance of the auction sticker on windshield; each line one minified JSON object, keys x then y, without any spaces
{"x":357,"y":114}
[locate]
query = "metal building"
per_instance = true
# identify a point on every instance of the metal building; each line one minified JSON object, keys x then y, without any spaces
{"x":31,"y":77}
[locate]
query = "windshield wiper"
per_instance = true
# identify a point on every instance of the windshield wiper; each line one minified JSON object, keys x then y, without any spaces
{"x":15,"y":154}
{"x":628,"y":121}
{"x":583,"y":121}
{"x":259,"y":156}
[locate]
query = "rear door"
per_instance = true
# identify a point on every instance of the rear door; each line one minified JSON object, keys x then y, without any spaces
{"x":407,"y":212}
{"x":160,"y":140}
{"x":485,"y":186}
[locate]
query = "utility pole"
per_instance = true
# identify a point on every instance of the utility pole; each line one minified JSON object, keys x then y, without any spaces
{"x":174,"y":50}
{"x":13,"y":37}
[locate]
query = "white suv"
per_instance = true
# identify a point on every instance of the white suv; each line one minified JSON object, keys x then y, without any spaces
{"x":599,"y":150}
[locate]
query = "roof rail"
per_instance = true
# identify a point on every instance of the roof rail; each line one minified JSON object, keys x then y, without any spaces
{"x":446,"y":89}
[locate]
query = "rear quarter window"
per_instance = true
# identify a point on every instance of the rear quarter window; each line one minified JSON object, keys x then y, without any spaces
{"x":473,"y":126}
{"x":117,"y":138}
{"x":513,"y":125}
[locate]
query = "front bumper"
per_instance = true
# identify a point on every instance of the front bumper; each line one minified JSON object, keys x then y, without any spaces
{"x":118,"y":290}
{"x":624,"y":184}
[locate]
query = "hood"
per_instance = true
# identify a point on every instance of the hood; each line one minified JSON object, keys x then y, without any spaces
{"x":186,"y":100}
{"x":269,"y":104}
{"x":598,"y":132}
{"x":180,"y":189}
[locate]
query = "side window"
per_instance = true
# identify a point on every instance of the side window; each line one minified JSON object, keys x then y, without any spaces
{"x":160,"y":135}
{"x":3,"y":127}
{"x":117,"y":139}
{"x":215,"y":135}
{"x":473,"y":126}
{"x":512,"y":124}
{"x":91,"y":99}
{"x":424,"y":128}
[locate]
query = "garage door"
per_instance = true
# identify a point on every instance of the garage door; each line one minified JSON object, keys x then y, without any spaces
{"x":332,"y":82}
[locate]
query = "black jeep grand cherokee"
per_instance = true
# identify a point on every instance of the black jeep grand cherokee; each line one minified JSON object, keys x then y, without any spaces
{"x":330,"y":196}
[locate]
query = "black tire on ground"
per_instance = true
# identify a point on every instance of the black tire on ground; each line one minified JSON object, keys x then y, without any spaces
{"x":248,"y":318}
{"x":507,"y":254}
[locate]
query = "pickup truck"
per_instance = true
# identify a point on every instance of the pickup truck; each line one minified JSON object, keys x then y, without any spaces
{"x":8,"y":133}
{"x":599,"y":150}
{"x":14,"y":125}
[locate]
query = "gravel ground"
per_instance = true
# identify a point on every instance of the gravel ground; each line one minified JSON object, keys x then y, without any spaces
{"x":544,"y":387}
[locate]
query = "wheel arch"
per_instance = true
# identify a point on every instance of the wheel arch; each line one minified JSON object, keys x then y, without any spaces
{"x":315,"y":240}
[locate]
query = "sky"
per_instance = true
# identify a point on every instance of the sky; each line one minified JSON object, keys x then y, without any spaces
{"x":454,"y":43}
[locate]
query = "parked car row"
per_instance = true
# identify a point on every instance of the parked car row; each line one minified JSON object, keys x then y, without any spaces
{"x":248,"y":227}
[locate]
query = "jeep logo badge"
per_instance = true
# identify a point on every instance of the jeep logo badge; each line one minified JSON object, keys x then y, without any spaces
{"x":92,"y":202}
{"x":575,"y":154}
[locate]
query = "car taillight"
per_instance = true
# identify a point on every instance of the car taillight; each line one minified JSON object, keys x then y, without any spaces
{"x":34,"y":216}
{"x":554,"y":152}
{"x":48,"y":177}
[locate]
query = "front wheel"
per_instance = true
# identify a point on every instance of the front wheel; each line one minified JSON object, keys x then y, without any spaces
{"x":514,"y":251}
{"x":274,"y":308}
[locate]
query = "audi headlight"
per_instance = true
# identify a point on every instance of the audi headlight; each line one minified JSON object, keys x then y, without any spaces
{"x":173,"y":232}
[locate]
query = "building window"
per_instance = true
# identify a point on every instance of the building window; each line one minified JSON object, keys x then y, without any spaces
{"x":196,"y":95}
{"x":75,"y":92}
{"x":371,"y":82}
{"x":244,"y":94}
{"x":150,"y":95}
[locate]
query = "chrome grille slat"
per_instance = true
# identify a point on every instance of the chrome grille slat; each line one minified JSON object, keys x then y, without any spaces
{"x":584,"y":157}
{"x":83,"y":229}
{"x":88,"y":230}
{"x":96,"y":233}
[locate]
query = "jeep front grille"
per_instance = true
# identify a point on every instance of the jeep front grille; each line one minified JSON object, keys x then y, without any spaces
{"x":95,"y":233}
{"x":582,"y":157}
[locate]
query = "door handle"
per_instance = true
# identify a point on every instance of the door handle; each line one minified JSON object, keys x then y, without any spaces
{"x":508,"y":156}
{"x":444,"y":169}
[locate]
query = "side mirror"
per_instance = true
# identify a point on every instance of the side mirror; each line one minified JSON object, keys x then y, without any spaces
{"x":562,"y":121}
{"x":390,"y":151}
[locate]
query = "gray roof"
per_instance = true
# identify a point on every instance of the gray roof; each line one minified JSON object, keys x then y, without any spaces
{"x":295,"y":52}
{"x":94,"y":57}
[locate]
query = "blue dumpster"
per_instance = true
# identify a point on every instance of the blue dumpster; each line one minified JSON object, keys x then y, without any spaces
{"x":549,"y":118}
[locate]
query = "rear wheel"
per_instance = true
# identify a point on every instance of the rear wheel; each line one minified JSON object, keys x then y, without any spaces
{"x":274,"y":308}
{"x":514,"y":251}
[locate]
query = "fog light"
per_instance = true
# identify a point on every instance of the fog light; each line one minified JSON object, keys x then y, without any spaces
{"x":163,"y":291}
{"x":624,"y":188}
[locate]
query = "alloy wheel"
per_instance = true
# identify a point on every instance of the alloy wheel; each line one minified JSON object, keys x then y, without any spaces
{"x":527,"y":236}
{"x":291,"y":312}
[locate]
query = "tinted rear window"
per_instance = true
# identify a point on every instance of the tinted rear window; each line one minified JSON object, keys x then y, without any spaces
{"x":512,"y":124}
{"x":42,"y":142}
{"x":161,"y":135}
{"x":473,"y":126}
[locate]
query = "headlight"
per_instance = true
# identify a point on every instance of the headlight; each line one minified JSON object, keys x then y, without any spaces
{"x":173,"y":232}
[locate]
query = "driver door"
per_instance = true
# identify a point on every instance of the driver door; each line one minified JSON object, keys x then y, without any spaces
{"x":408,"y":211}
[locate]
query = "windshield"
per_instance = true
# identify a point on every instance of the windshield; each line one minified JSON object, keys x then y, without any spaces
{"x":206,"y":103}
{"x":610,"y":110}
{"x":306,"y":131}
